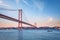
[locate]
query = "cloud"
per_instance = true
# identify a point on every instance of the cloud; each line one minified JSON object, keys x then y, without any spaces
{"x":4,"y":5}
{"x":25,"y":2}
{"x":17,"y":2}
{"x":1,"y":2}
{"x":39,"y":5}
{"x":50,"y":19}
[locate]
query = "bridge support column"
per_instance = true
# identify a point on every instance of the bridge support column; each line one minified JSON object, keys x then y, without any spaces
{"x":20,"y":18}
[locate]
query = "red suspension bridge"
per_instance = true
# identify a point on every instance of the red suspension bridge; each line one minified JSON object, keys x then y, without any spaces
{"x":19,"y":20}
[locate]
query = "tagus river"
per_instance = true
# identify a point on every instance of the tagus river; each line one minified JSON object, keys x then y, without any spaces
{"x":24,"y":34}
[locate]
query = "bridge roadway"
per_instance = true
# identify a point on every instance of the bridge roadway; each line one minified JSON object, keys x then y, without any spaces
{"x":15,"y":20}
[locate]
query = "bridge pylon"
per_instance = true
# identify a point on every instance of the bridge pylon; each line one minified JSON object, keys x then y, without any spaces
{"x":20,"y":18}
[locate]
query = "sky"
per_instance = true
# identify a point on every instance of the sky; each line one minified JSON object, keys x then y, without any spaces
{"x":41,"y":12}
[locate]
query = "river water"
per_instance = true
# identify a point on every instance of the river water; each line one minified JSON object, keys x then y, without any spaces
{"x":30,"y":34}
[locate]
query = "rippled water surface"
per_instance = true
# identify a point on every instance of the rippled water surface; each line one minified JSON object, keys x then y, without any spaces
{"x":14,"y":34}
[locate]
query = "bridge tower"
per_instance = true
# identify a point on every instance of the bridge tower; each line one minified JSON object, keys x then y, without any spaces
{"x":20,"y":18}
{"x":35,"y":24}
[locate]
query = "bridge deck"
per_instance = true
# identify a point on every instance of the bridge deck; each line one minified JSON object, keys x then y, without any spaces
{"x":13,"y":19}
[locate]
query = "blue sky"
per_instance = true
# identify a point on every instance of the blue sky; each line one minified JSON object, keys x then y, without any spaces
{"x":43,"y":12}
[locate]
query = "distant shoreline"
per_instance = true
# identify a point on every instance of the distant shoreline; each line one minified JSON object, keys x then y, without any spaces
{"x":55,"y":28}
